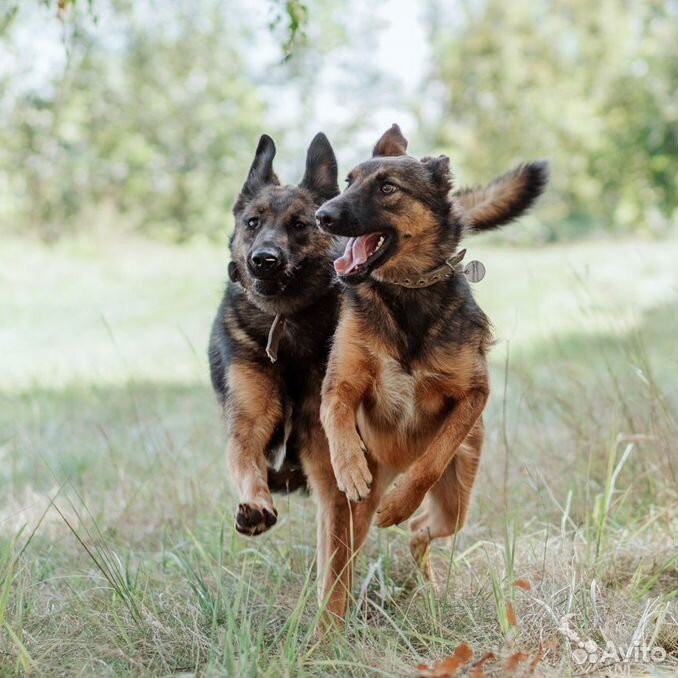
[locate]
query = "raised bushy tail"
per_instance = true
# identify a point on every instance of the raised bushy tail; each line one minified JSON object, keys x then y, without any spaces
{"x":506,"y":198}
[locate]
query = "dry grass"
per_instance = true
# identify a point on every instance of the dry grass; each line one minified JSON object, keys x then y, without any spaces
{"x":117,"y":553}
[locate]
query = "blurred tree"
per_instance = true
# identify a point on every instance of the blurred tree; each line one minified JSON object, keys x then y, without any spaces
{"x":591,"y":86}
{"x":48,"y":152}
{"x":187,"y":117}
{"x":150,"y":110}
{"x":155,"y":118}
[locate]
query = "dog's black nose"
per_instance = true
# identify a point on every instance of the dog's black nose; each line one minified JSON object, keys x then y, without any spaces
{"x":266,"y":261}
{"x":326,"y":217}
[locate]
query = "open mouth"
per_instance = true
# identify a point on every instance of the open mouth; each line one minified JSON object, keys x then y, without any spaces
{"x":361,"y":253}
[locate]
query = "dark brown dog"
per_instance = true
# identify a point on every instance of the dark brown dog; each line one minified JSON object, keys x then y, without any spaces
{"x":270,"y":338}
{"x":407,"y":378}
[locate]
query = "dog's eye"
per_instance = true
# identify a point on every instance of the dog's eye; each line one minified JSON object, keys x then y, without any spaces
{"x":388,"y":188}
{"x":300,"y":225}
{"x":253,"y":222}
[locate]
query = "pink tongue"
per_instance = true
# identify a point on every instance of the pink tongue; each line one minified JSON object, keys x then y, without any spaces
{"x":357,"y":252}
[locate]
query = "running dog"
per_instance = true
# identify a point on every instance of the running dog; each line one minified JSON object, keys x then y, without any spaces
{"x":407,"y":377}
{"x":271,"y":335}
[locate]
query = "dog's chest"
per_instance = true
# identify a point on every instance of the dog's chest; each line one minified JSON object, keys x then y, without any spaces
{"x":400,"y":398}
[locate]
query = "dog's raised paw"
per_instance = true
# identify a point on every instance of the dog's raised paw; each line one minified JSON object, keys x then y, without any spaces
{"x":253,"y":519}
{"x":398,"y":505}
{"x":353,"y":476}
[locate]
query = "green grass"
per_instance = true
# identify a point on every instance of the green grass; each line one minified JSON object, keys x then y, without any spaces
{"x":117,"y":552}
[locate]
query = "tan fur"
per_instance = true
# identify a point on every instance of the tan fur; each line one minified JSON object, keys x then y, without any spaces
{"x":254,"y":411}
{"x":341,"y":530}
{"x":418,"y":249}
{"x":391,"y":142}
{"x":402,"y":419}
{"x":446,"y":504}
{"x":502,"y":200}
{"x":238,"y":333}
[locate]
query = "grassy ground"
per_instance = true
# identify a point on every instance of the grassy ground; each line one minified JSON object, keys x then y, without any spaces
{"x":135,"y":569}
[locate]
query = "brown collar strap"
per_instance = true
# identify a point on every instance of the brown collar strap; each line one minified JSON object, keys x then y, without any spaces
{"x":274,"y":337}
{"x":474,"y":271}
{"x":277,"y":326}
{"x":436,"y":275}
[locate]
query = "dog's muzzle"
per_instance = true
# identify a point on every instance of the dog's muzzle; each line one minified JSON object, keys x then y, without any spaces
{"x":266,"y":263}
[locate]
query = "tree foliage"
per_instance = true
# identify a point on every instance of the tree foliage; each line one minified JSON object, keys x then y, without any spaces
{"x":152,"y":115}
{"x":592,"y":86}
{"x":151,"y":122}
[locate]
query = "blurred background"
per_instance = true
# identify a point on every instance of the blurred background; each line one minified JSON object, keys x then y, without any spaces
{"x":121,"y":116}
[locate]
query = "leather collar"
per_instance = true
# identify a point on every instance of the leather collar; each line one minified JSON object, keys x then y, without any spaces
{"x":277,"y":329}
{"x":451,"y":266}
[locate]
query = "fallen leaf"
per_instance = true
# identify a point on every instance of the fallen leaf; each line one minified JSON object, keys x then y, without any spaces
{"x":512,"y":663}
{"x":523,"y":584}
{"x":511,"y":614}
{"x":477,"y":670}
{"x":448,"y":667}
{"x":532,"y":667}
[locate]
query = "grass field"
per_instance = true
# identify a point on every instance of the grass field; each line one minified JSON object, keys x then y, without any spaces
{"x":117,"y":552}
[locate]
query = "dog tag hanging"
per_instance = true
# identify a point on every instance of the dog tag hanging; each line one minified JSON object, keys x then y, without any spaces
{"x":474,"y":271}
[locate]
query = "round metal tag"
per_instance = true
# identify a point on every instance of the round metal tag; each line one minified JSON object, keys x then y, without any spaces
{"x":474,"y":271}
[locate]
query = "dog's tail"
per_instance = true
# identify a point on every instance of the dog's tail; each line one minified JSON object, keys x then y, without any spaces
{"x":506,"y":198}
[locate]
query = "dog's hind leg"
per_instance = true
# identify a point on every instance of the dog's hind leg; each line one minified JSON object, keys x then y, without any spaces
{"x":342,"y":528}
{"x":447,"y":502}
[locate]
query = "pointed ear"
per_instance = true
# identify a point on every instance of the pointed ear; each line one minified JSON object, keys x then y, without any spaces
{"x":439,"y":169}
{"x":392,"y":142}
{"x":320,"y":177}
{"x":261,"y":172}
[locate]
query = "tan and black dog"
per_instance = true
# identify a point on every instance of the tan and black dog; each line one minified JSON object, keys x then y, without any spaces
{"x":271,"y":335}
{"x":407,"y":379}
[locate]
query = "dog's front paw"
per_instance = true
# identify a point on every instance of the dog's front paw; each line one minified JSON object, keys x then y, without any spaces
{"x":252,"y":519}
{"x":352,"y":474}
{"x":399,"y":504}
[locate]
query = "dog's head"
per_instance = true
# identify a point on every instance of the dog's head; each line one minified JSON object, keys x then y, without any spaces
{"x":402,"y":218}
{"x":277,"y":254}
{"x":395,"y":211}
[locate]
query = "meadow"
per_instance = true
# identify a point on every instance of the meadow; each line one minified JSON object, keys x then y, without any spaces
{"x":118,"y":555}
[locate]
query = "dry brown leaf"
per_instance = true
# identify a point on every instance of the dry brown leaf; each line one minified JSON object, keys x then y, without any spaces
{"x":511,"y":614}
{"x":532,"y":667}
{"x":523,"y":584}
{"x":448,"y":667}
{"x":522,"y":662}
{"x":513,"y":662}
{"x":477,"y":670}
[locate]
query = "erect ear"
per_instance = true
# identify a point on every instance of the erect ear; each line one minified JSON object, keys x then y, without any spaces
{"x":261,"y":172}
{"x":320,"y":177}
{"x":439,"y":169}
{"x":506,"y":198}
{"x":392,"y":142}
